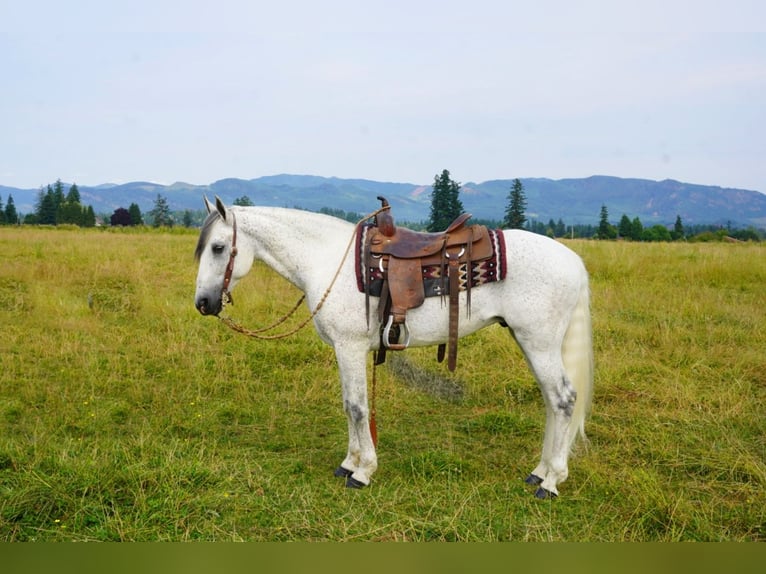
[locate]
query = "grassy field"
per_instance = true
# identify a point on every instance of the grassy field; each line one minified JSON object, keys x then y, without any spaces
{"x":125,"y":415}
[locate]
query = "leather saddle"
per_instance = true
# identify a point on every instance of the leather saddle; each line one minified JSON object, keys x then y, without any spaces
{"x":404,"y":257}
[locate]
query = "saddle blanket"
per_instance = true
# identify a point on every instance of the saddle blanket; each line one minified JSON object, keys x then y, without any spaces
{"x":435,"y":283}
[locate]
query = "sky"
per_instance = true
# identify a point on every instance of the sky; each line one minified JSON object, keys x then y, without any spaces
{"x":99,"y":92}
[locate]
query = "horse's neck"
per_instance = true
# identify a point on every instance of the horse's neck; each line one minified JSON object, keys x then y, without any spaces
{"x":295,"y":243}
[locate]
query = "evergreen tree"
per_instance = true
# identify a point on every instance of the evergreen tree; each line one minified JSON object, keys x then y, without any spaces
{"x":636,"y":229}
{"x":515,"y":212}
{"x":70,"y":210}
{"x":678,"y":229}
{"x":74,"y":194}
{"x":135,"y":215}
{"x":58,"y":194}
{"x":2,"y":211}
{"x":39,"y":201}
{"x":445,"y":202}
{"x":161,"y":213}
{"x":70,"y":213}
{"x":605,"y":229}
{"x":89,"y":219}
{"x":187,"y":218}
{"x":11,"y":216}
{"x":625,"y":228}
{"x":561,"y":228}
{"x":46,"y":208}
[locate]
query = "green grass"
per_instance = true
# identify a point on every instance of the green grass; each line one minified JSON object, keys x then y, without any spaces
{"x":125,"y":415}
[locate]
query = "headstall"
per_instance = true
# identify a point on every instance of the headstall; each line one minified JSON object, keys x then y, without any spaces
{"x":225,"y":294}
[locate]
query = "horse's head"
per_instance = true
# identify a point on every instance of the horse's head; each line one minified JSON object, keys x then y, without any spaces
{"x":223,"y":258}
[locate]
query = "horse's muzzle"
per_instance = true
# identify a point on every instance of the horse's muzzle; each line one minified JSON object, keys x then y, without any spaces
{"x":207,"y":307}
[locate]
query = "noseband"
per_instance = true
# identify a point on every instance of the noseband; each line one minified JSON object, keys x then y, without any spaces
{"x":225,"y":294}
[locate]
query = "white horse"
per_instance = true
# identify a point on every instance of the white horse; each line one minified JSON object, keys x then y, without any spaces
{"x":544,"y":302}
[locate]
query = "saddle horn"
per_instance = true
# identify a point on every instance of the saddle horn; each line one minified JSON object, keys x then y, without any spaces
{"x":384,"y":220}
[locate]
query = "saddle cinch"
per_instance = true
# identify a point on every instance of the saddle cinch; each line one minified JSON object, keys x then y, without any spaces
{"x":410,"y":265}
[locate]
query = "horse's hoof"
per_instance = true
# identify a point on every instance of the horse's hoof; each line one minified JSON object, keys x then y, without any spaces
{"x":533,"y":480}
{"x":544,"y":494}
{"x":351,"y":482}
{"x":341,"y":472}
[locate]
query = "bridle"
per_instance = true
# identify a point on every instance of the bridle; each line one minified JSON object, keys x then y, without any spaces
{"x":226,"y":297}
{"x":225,"y":293}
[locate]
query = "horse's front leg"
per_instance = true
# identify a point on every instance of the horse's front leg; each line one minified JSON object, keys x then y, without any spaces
{"x":361,"y":460}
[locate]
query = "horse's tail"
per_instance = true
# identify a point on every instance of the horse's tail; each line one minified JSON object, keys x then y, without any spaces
{"x":577,"y":353}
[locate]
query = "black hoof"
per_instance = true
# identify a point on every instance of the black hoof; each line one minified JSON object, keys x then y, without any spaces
{"x":544,"y":494}
{"x":341,"y":472}
{"x":351,"y":482}
{"x":533,"y":480}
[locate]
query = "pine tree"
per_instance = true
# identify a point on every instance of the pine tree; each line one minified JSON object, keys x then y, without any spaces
{"x":445,"y":202}
{"x":2,"y":211}
{"x":605,"y":229}
{"x":74,"y":194}
{"x":135,"y":215}
{"x":46,"y":208}
{"x":70,"y":213}
{"x":89,"y":219}
{"x":636,"y":229}
{"x":58,"y":194}
{"x":161,"y":212}
{"x":11,"y":216}
{"x":515,"y":212}
{"x":678,"y":229}
{"x":625,"y":228}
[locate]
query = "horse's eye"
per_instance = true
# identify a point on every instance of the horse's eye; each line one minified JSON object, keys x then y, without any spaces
{"x":218,"y":249}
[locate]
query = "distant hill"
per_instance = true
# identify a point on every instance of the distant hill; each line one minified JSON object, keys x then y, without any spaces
{"x":572,"y":200}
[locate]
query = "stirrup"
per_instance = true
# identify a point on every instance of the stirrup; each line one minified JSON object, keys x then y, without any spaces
{"x":387,"y":333}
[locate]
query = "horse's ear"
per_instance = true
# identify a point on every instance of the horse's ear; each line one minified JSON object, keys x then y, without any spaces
{"x":209,"y":206}
{"x":220,"y":207}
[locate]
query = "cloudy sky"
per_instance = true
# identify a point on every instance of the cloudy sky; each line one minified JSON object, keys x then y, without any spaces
{"x":392,"y":90}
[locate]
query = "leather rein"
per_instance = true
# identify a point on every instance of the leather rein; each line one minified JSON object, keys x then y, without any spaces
{"x":258,"y":333}
{"x":226,"y":297}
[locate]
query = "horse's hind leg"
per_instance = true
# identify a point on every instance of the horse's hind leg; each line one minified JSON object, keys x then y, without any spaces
{"x":559,"y":397}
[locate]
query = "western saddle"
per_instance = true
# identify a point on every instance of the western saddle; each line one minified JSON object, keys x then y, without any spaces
{"x":414,"y":265}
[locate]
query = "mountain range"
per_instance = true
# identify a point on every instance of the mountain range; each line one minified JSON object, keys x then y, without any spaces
{"x":572,"y":200}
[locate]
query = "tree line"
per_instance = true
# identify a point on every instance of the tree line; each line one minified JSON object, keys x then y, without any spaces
{"x":446,"y":206}
{"x":159,"y":216}
{"x":55,"y":207}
